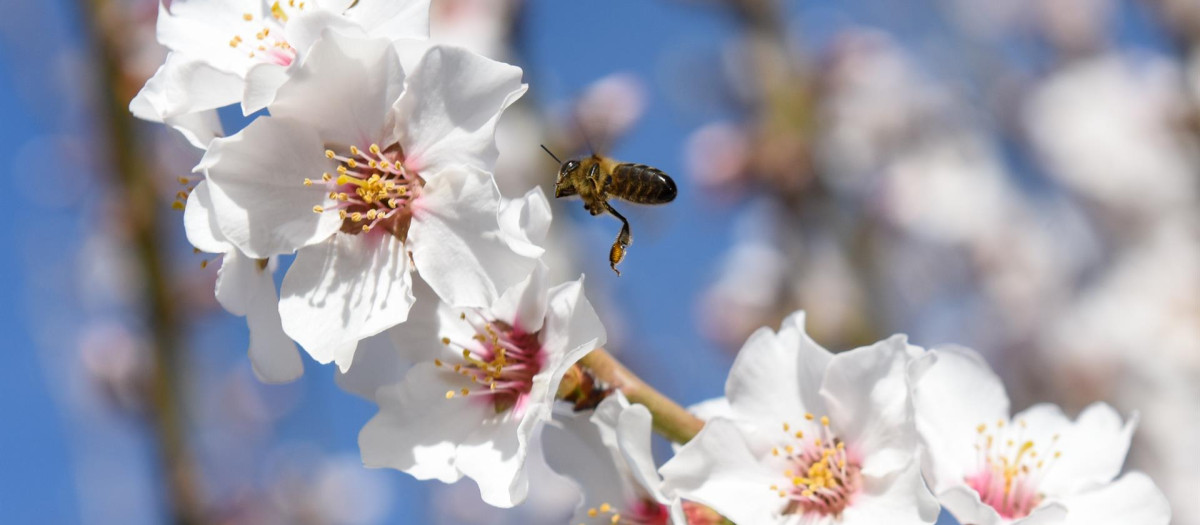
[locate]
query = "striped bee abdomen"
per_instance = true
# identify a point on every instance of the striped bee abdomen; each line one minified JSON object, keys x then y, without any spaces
{"x":641,"y":184}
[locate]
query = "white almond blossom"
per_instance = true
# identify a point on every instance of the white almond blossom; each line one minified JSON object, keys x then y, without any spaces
{"x":484,"y":384}
{"x":815,"y":438}
{"x":370,"y":170}
{"x":607,"y":453}
{"x":245,"y":287}
{"x":227,"y":51}
{"x":378,"y":362}
{"x":1036,"y":467}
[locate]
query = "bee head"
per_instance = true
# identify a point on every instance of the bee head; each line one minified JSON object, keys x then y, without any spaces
{"x":563,"y":186}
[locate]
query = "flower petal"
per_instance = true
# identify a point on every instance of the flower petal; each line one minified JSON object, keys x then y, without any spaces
{"x":959,"y":392}
{"x":170,"y":97}
{"x":200,"y":224}
{"x":417,"y":430}
{"x":202,"y":28}
{"x":572,"y":329}
{"x":392,"y":18}
{"x":866,"y":392}
{"x":716,"y":468}
{"x":524,"y":304}
{"x":967,"y":507}
{"x":1132,"y":499}
{"x":456,"y":240}
{"x":898,"y":498}
{"x":448,"y":112}
{"x":633,"y":428}
{"x":574,"y":448}
{"x":776,"y":377}
{"x":246,"y":288}
{"x":257,"y":191}
{"x":494,"y":456}
{"x":1093,"y":447}
{"x":344,"y":90}
{"x":345,"y":290}
{"x":525,"y":222}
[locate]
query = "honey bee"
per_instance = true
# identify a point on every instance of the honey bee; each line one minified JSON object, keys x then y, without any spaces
{"x":596,"y":178}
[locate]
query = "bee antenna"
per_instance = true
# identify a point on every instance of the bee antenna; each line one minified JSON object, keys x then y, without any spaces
{"x":553,"y":156}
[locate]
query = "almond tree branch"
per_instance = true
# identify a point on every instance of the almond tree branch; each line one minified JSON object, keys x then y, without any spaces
{"x":670,"y":420}
{"x":136,"y":189}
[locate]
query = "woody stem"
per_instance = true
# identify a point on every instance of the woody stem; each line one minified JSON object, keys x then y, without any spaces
{"x":670,"y":420}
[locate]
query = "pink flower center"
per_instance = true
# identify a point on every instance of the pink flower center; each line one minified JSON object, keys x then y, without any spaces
{"x":822,"y":477}
{"x":1009,"y":469}
{"x":500,"y":360}
{"x":262,"y":38}
{"x":643,"y":511}
{"x":371,"y":191}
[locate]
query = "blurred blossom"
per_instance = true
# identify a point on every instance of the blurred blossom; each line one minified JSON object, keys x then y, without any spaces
{"x":1110,"y":129}
{"x":117,"y":362}
{"x":307,"y":486}
{"x":874,"y":104}
{"x":949,"y":191}
{"x":716,"y":156}
{"x":347,"y":494}
{"x":747,"y":291}
{"x":608,"y":108}
{"x":991,"y":20}
{"x":1076,"y":27}
{"x":479,"y":25}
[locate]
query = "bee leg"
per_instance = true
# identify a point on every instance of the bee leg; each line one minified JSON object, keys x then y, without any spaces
{"x":624,"y":239}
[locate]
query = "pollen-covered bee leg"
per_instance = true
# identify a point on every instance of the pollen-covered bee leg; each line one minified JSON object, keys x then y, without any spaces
{"x":624,"y":239}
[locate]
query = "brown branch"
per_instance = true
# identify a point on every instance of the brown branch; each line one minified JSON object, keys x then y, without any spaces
{"x":142,"y":215}
{"x":670,"y":420}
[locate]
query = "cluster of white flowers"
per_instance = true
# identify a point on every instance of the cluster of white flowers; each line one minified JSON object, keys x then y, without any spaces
{"x":886,"y":433}
{"x":374,"y":168}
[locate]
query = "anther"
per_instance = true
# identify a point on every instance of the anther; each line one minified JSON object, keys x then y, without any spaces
{"x":329,"y":154}
{"x":318,"y":209}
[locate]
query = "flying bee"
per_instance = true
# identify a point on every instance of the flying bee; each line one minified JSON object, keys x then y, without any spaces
{"x":596,"y":178}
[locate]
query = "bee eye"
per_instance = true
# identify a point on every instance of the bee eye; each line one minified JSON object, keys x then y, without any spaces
{"x":571,"y":166}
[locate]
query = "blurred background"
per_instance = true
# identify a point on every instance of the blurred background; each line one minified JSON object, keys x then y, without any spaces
{"x":1018,"y":176}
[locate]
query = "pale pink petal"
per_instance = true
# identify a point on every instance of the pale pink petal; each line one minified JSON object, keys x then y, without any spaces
{"x":524,"y":304}
{"x":1133,"y":499}
{"x":256,"y":185}
{"x":456,"y":240}
{"x":344,"y":90}
{"x":418,"y":430}
{"x":866,"y":392}
{"x":342,"y":291}
{"x":448,"y":112}
{"x":170,"y":96}
{"x":1093,"y":447}
{"x":200,"y":224}
{"x":718,"y":469}
{"x":392,"y":18}
{"x":494,"y":457}
{"x":776,"y":377}
{"x":951,"y":400}
{"x":525,"y":222}
{"x":899,"y":498}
